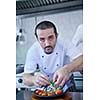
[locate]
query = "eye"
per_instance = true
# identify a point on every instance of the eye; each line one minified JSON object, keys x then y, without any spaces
{"x":42,"y":39}
{"x":51,"y":37}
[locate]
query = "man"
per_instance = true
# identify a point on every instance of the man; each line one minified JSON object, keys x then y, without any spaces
{"x":50,"y":56}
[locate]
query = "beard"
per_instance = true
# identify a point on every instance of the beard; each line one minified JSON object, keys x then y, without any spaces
{"x":48,"y":49}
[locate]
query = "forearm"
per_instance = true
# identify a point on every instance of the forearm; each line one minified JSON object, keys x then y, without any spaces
{"x":76,"y":65}
{"x":28,"y":79}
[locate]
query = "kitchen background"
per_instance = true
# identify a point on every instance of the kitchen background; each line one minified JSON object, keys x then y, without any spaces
{"x":67,"y":15}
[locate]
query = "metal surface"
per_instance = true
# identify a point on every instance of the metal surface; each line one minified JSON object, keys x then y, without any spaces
{"x":40,"y":7}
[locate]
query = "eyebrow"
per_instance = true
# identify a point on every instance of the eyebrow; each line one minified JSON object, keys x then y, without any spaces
{"x":50,"y":36}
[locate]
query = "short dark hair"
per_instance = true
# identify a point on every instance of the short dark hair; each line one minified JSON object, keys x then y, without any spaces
{"x":45,"y":25}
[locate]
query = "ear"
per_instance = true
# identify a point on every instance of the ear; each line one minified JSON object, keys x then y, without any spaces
{"x":57,"y":35}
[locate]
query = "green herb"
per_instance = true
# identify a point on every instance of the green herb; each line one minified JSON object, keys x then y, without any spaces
{"x":52,"y":83}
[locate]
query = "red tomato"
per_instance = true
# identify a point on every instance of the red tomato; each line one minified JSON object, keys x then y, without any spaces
{"x":59,"y":92}
{"x":53,"y":94}
{"x":40,"y":93}
{"x":44,"y":94}
{"x":37,"y":91}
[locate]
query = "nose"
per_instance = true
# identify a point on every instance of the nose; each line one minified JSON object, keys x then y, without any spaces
{"x":46,"y":43}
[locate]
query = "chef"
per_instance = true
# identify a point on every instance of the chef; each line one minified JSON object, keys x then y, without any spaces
{"x":50,"y":57}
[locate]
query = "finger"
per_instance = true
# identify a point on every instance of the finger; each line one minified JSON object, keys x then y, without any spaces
{"x":63,"y":81}
{"x":55,"y":77}
{"x":37,"y":84}
{"x":35,"y":81}
{"x":45,"y":77}
{"x":43,"y":81}
{"x":59,"y":79}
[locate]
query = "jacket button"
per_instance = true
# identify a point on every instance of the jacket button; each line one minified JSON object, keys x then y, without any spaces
{"x":44,"y":67}
{"x":42,"y":56}
{"x":57,"y":65}
{"x":56,"y":53}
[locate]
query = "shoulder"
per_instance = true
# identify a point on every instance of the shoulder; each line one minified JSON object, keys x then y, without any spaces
{"x":61,"y":44}
{"x":35,"y":47}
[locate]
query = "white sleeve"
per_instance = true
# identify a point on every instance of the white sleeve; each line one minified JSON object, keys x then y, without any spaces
{"x":78,"y":37}
{"x":75,"y":48}
{"x":75,"y":51}
{"x":31,"y":61}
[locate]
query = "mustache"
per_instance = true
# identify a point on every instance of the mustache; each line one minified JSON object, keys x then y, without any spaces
{"x":48,"y":47}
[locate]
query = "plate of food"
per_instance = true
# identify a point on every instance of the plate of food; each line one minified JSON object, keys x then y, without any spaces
{"x":52,"y":91}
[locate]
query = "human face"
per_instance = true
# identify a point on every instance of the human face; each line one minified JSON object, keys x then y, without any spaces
{"x":47,"y":39}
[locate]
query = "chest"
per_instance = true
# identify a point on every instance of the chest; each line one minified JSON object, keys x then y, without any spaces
{"x":50,"y":63}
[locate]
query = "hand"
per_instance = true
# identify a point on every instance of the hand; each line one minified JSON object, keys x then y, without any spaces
{"x":40,"y":80}
{"x":61,"y":76}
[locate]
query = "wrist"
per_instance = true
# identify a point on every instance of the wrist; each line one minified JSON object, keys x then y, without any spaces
{"x":68,"y":68}
{"x":33,"y":79}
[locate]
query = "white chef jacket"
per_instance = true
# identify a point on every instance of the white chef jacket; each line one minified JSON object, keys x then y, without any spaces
{"x":49,"y":63}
